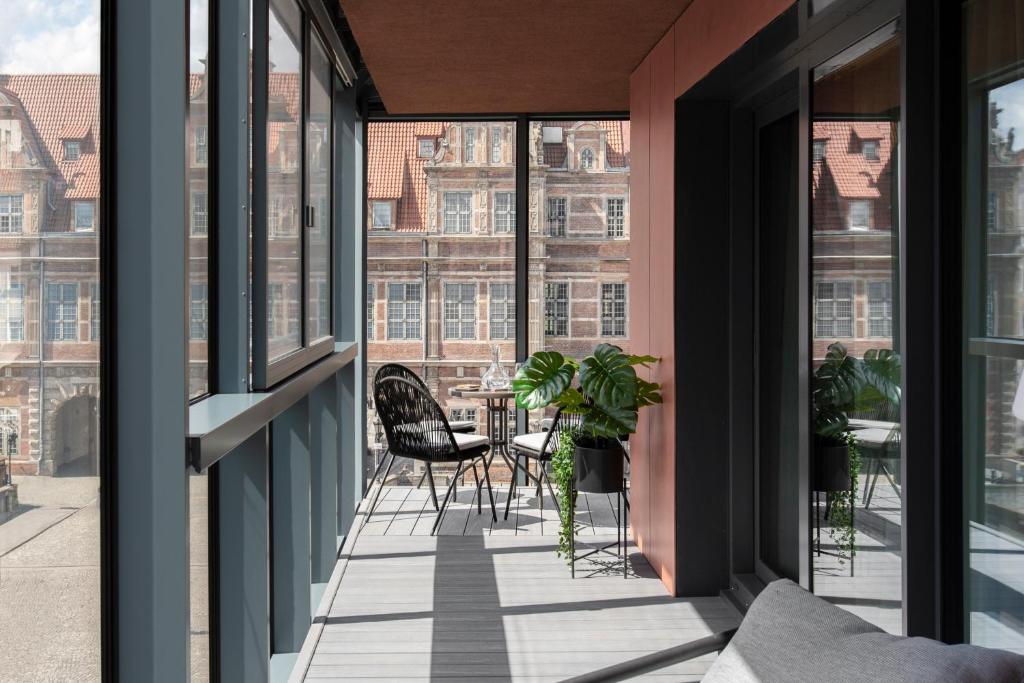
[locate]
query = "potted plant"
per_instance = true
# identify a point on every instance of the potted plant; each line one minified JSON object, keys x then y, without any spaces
{"x":843,"y":384}
{"x":607,"y":399}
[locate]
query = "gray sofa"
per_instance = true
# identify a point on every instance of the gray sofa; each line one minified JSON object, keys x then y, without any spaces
{"x":789,"y":635}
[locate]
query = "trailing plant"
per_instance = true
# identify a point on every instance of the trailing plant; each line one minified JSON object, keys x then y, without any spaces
{"x":841,"y":523}
{"x":562,"y":466}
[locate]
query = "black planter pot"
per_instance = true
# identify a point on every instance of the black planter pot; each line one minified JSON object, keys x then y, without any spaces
{"x":599,"y":469}
{"x":832,"y":466}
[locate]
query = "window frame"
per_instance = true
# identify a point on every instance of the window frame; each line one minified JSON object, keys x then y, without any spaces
{"x":371,"y":311}
{"x":10,"y":214}
{"x":508,"y":322}
{"x":562,"y":220}
{"x":8,"y":322}
{"x":84,"y":204}
{"x":267,"y":372}
{"x":507,"y":214}
{"x":883,"y":317}
{"x":615,"y":319}
{"x":405,"y":301}
{"x":420,"y":142}
{"x":64,"y":323}
{"x":588,"y":159}
{"x":69,"y":145}
{"x":619,"y":216}
{"x":374,"y":203}
{"x":551,"y":312}
{"x":851,"y":224}
{"x":457,"y":213}
{"x":461,"y":320}
{"x":833,"y":301}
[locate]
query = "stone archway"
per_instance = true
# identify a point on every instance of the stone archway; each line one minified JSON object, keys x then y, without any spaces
{"x":75,"y":444}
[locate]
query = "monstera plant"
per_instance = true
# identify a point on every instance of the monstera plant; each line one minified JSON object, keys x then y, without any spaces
{"x":608,"y":398}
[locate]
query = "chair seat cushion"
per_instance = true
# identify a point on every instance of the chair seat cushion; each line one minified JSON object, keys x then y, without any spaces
{"x":462,"y":425}
{"x":532,"y":442}
{"x":789,"y":634}
{"x":467,"y":441}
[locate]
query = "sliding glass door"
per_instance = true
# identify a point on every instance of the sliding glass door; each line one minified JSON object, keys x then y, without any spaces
{"x":993,"y":203}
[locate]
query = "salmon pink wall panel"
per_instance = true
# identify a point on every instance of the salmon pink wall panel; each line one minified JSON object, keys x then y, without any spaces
{"x":661,"y":444}
{"x":639,"y":286}
{"x":711,"y":30}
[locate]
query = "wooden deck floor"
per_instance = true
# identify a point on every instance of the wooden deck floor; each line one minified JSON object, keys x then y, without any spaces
{"x":492,"y":602}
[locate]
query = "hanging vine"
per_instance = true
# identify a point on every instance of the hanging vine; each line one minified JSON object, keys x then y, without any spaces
{"x":841,"y":521}
{"x":562,"y":464}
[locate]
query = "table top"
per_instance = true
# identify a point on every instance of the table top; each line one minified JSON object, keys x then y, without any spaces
{"x":474,"y":391}
{"x":875,"y":432}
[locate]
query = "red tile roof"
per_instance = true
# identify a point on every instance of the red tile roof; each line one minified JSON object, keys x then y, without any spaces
{"x":395,"y":171}
{"x":59,"y":107}
{"x":855,"y":176}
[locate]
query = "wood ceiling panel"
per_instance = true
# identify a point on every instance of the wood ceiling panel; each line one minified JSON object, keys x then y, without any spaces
{"x":502,"y":56}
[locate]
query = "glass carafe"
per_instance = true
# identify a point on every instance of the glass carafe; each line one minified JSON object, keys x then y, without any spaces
{"x":495,"y":377}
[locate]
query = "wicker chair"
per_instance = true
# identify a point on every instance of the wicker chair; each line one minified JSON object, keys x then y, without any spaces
{"x":539,"y":446}
{"x":417,"y":428}
{"x":458,"y":426}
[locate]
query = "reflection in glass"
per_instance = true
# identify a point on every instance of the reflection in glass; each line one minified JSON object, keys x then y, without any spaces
{"x":199,"y":576}
{"x":855,"y":277}
{"x":284,"y":179}
{"x":198,"y":142}
{"x":994,"y":378}
{"x":440,"y":262}
{"x":50,"y":222}
{"x":318,"y":162}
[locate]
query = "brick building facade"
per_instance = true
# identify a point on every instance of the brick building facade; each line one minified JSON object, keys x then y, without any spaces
{"x":441,"y":246}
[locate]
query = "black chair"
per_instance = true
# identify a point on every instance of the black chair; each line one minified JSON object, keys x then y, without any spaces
{"x":539,"y":446}
{"x":417,"y":428}
{"x":459,"y":426}
{"x":884,"y":458}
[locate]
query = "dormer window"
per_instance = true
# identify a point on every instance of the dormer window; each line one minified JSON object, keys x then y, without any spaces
{"x":85,"y":216}
{"x":587,"y":159}
{"x":870,"y":149}
{"x":383,"y":215}
{"x":72,"y":150}
{"x":818,"y":150}
{"x":425,"y":148}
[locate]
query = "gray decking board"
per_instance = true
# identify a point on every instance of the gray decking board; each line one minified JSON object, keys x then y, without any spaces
{"x":492,"y":602}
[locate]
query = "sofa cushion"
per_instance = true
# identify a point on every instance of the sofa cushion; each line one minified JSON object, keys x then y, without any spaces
{"x":788,"y":634}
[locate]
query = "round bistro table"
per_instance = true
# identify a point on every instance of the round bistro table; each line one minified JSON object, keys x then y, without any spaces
{"x":497,"y":416}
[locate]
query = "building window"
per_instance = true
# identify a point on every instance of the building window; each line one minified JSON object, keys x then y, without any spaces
{"x":370,"y":304}
{"x":992,"y":214}
{"x":202,"y":146}
{"x":504,"y":212}
{"x":818,"y":150}
{"x":198,"y":311}
{"x":94,"y":311}
{"x":469,"y":142}
{"x":12,"y":313}
{"x":62,"y":312}
{"x":833,"y":309}
{"x":282,"y":310}
{"x":613,"y":310}
{"x":870,"y":149}
{"x":460,"y":311}
{"x":404,"y":311}
{"x":424,"y":148}
{"x":456,"y":211}
{"x":10,"y":426}
{"x":860,"y":214}
{"x":382,"y":215}
{"x":503,"y":310}
{"x":587,"y":159}
{"x":72,"y":150}
{"x":556,"y":216}
{"x":200,"y":214}
{"x":496,"y":145}
{"x":85,"y":216}
{"x":462,"y":414}
{"x":880,"y":308}
{"x":615,"y":217}
{"x":556,"y":309}
{"x":12,"y":212}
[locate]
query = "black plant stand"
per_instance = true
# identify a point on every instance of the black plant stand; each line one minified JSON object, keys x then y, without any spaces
{"x":598,"y":551}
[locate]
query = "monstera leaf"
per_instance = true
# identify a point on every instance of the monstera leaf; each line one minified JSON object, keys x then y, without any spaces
{"x":542,"y":379}
{"x":643,"y":360}
{"x":608,"y":379}
{"x":647,"y":393}
{"x":837,"y":381}
{"x":883,"y":372}
{"x":608,"y":421}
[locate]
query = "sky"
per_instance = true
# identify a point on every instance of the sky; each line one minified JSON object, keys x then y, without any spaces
{"x":50,"y":36}
{"x":1010,"y":98}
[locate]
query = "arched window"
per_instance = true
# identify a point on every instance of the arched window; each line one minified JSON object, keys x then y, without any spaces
{"x":587,"y":159}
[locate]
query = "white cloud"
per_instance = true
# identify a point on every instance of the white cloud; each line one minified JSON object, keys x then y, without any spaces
{"x":51,"y":36}
{"x":199,"y":31}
